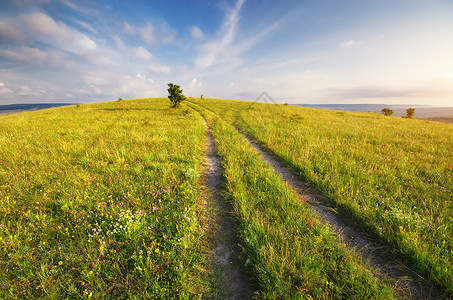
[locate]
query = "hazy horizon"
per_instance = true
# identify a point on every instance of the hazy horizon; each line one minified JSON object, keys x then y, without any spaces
{"x":300,"y":52}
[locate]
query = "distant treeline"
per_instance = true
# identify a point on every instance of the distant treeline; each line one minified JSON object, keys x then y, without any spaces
{"x":358,"y":107}
{"x":30,"y":106}
{"x":399,"y":110}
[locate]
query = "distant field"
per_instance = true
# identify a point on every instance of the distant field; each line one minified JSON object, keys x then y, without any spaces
{"x":440,"y":119}
{"x":421,"y":112}
{"x":16,"y":108}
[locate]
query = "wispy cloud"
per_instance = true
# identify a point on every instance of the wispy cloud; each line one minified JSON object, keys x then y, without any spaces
{"x":152,"y":34}
{"x":157,"y":69}
{"x":43,"y":28}
{"x":196,"y":33}
{"x":147,"y":33}
{"x":129,"y":29}
{"x":195,"y":83}
{"x":78,"y":8}
{"x":226,"y":52}
{"x":5,"y":92}
{"x":87,"y":27}
{"x":9,"y":32}
{"x":110,"y":85}
{"x":37,"y":57}
{"x":387,"y":92}
{"x":350,"y":44}
{"x":211,"y":51}
{"x":142,"y":53}
{"x":30,"y":3}
{"x":32,"y":56}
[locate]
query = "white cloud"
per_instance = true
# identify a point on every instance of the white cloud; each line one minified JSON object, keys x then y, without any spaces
{"x":194,"y":87}
{"x":57,"y":58}
{"x":350,"y":44}
{"x":159,"y":69}
{"x":129,"y":28}
{"x":9,"y":32}
{"x":28,"y":3}
{"x":79,"y":8}
{"x":32,"y":56}
{"x":142,"y":53}
{"x":195,"y":84}
{"x":196,"y":33}
{"x":166,"y":34}
{"x":44,"y":28}
{"x":5,"y":92}
{"x":150,"y":34}
{"x":108,"y":85}
{"x":119,"y":42}
{"x":141,"y":76}
{"x":147,"y":33}
{"x":212,"y":50}
{"x":25,"y":90}
{"x":2,"y":84}
{"x":87,"y":27}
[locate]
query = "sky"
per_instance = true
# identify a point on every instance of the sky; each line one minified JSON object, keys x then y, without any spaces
{"x":298,"y":51}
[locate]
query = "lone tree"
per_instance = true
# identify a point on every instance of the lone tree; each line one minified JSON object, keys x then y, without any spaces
{"x":387,"y":112}
{"x":410,"y":112}
{"x":175,"y":94}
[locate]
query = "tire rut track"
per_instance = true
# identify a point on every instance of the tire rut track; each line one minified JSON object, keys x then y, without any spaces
{"x":379,"y":255}
{"x":226,"y":260}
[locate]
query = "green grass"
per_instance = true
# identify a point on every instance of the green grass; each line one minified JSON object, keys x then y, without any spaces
{"x":106,"y":200}
{"x":289,"y":252}
{"x":101,"y":201}
{"x":394,"y":175}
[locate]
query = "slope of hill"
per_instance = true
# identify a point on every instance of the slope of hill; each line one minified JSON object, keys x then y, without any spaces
{"x":101,"y":201}
{"x":108,"y":199}
{"x":394,"y":175}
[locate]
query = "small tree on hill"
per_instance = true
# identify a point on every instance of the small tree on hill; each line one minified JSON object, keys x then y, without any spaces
{"x":175,"y":94}
{"x":387,"y":112}
{"x":410,"y":112}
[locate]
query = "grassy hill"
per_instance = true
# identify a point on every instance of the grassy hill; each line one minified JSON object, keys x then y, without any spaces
{"x":100,"y":201}
{"x":106,"y":200}
{"x":393,"y":175}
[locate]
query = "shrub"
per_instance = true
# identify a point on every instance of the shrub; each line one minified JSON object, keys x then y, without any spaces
{"x":387,"y":112}
{"x":175,"y":94}
{"x":410,"y":112}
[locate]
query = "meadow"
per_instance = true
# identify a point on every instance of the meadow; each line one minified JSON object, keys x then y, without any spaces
{"x":290,"y":253}
{"x":392,"y":175}
{"x":107,"y":200}
{"x":101,"y":200}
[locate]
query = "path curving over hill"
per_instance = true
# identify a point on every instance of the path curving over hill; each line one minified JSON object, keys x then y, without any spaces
{"x":376,"y":253}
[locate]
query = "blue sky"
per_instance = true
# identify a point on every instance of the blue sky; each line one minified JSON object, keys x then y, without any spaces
{"x":363,"y":51}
